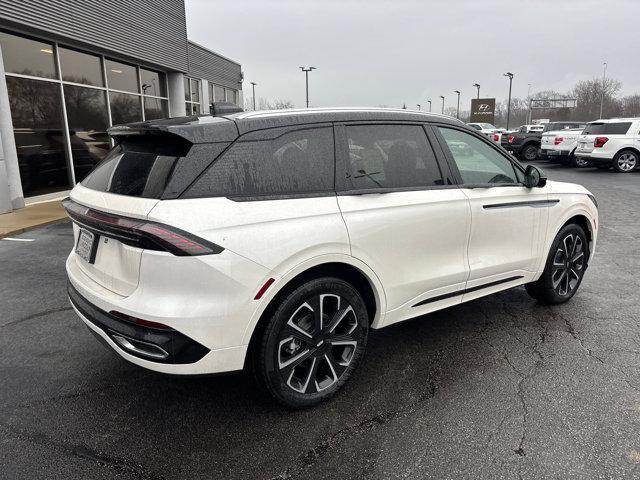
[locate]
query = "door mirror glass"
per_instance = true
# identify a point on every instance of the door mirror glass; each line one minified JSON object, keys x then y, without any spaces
{"x":534,"y":177}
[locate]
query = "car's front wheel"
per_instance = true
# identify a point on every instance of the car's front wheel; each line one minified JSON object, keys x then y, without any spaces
{"x":312,"y":343}
{"x":565,"y":267}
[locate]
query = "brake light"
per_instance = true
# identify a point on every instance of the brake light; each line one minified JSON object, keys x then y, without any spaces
{"x":511,"y":137}
{"x":496,"y":137}
{"x":599,"y":142}
{"x":140,"y":233}
{"x":558,"y":140}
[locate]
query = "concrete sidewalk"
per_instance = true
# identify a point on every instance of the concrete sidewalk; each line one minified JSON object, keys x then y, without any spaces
{"x":32,"y":216}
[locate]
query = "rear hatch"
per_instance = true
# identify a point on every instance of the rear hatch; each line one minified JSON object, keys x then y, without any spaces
{"x":547,"y":141}
{"x":110,"y":207}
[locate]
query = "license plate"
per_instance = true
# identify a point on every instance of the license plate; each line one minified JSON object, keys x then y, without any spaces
{"x":86,"y":247}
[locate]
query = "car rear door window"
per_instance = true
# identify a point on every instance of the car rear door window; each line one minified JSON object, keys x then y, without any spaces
{"x":478,"y":162}
{"x":610,"y":128}
{"x":390,"y":156}
{"x":295,"y":162}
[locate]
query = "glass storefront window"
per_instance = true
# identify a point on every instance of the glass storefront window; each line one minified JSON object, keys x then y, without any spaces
{"x":121,"y":76}
{"x":36,"y":111}
{"x":195,"y":90}
{"x":27,"y":57}
{"x":218,"y":93}
{"x":196,"y":109}
{"x":88,"y":122}
{"x":187,"y":89}
{"x":80,"y":67}
{"x":125,"y":108}
{"x":153,"y":83}
{"x":231,"y":95}
{"x":155,"y":108}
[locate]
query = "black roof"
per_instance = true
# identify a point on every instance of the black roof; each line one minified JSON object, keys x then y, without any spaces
{"x":210,"y":129}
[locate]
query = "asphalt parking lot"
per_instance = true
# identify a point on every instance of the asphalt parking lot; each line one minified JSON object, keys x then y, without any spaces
{"x":500,"y":387}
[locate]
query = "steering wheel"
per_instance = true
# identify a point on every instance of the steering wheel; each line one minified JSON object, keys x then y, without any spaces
{"x":501,"y":178}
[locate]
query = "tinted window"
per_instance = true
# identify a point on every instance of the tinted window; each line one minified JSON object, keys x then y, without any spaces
{"x":125,"y":108}
{"x":390,"y":156}
{"x":477,"y":162}
{"x":28,"y":57}
{"x":155,"y":108}
{"x":296,"y":162}
{"x":136,"y":168}
{"x":80,"y":67}
{"x":612,"y":128}
{"x":153,"y":83}
{"x":121,"y":76}
{"x":477,"y":127}
{"x":218,"y":93}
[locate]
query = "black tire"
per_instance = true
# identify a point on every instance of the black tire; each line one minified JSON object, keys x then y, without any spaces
{"x":303,"y":359}
{"x":562,"y":276}
{"x":576,"y":162}
{"x":529,"y":152}
{"x":625,"y":161}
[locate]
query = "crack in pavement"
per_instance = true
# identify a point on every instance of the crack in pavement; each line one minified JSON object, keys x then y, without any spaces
{"x":117,"y":464}
{"x":311,"y":456}
{"x":37,"y":315}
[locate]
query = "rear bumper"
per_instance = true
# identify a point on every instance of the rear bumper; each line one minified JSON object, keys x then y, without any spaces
{"x":595,"y":156}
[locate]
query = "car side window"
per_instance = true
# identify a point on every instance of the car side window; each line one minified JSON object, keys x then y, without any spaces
{"x":478,"y":162}
{"x":298,"y":162}
{"x":390,"y":156}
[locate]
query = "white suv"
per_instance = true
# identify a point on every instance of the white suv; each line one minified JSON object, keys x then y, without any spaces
{"x":611,"y":143}
{"x":276,"y":240}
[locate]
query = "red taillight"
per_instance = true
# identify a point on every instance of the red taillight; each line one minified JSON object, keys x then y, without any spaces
{"x":139,"y":321}
{"x":140,"y":233}
{"x":263,"y":289}
{"x":558,"y":140}
{"x":511,"y":137}
{"x":496,"y":137}
{"x":600,"y":141}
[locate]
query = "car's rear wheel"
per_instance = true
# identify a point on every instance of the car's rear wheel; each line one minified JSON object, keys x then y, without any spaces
{"x":625,"y":161}
{"x":530,"y":152}
{"x":565,"y":267}
{"x":312,"y":343}
{"x":578,"y":162}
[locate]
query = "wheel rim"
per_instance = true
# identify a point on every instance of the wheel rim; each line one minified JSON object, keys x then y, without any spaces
{"x":568,"y":265}
{"x":318,"y":343}
{"x":581,"y":162}
{"x":627,"y":162}
{"x":530,"y":153}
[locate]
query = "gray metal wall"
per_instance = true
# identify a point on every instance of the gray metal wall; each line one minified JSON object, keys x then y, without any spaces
{"x":212,"y":67}
{"x":151,"y":31}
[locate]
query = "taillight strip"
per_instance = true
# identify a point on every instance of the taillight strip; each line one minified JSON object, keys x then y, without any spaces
{"x":140,"y":233}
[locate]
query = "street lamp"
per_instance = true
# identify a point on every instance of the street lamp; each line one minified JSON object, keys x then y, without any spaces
{"x":510,"y":76}
{"x":458,"y":110}
{"x":442,"y":97}
{"x":477,"y":85}
{"x":529,"y":100}
{"x":429,"y":104}
{"x":604,"y":72}
{"x":253,"y":86}
{"x":418,"y":106}
{"x":306,"y":71}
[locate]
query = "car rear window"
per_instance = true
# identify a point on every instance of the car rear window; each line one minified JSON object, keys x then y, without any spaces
{"x":609,"y":128}
{"x":137,"y":167}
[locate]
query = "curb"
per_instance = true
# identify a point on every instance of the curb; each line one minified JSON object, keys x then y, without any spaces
{"x":18,"y":231}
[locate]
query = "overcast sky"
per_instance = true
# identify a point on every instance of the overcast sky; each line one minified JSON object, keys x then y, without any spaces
{"x":370,"y":53}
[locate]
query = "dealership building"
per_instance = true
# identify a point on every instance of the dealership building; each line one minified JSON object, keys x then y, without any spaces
{"x":70,"y":69}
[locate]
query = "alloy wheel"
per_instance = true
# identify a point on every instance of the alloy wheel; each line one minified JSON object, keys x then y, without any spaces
{"x":581,"y":162}
{"x":318,"y":343}
{"x":568,"y":265}
{"x":627,"y":162}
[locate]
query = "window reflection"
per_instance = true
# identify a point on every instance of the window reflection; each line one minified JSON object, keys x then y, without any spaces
{"x":121,"y":76}
{"x":36,"y":111}
{"x":88,"y":122}
{"x":195,"y":90}
{"x":125,"y":108}
{"x":155,"y":108}
{"x":153,"y":83}
{"x":27,"y":57}
{"x":80,"y":67}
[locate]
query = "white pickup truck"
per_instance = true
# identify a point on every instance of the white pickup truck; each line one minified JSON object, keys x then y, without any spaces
{"x":560,"y":146}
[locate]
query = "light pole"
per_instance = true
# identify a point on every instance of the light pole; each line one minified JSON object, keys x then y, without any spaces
{"x":429,"y":101}
{"x":510,"y":76}
{"x":604,"y":72}
{"x":442,"y":97}
{"x":253,"y":85}
{"x":306,"y":71}
{"x":458,"y":109}
{"x":418,"y":106}
{"x":529,"y":100}
{"x":477,"y":85}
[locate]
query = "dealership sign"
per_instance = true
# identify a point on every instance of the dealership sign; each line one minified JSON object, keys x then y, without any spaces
{"x":483,"y":110}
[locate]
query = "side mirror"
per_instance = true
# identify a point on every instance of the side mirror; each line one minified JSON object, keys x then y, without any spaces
{"x":534,"y":177}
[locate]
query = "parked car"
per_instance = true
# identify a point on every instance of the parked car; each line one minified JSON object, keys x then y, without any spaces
{"x":560,"y":146}
{"x":611,"y":143}
{"x":525,"y":144}
{"x":277,"y":240}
